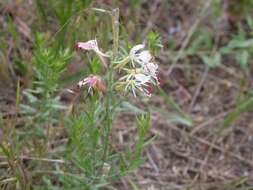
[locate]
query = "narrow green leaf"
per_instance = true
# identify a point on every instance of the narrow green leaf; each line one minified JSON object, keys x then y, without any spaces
{"x":134,"y":186}
{"x":241,"y":43}
{"x":244,"y":106}
{"x":175,"y":117}
{"x":128,"y":107}
{"x":212,"y":61}
{"x":1,"y":121}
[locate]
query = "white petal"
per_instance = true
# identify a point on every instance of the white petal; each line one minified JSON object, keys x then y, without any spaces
{"x":135,"y":49}
{"x":81,"y":83}
{"x":133,"y":91}
{"x":151,"y":69}
{"x":144,"y":56}
{"x":141,"y":78}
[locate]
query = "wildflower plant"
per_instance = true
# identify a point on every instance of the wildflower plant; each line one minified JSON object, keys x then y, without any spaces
{"x":133,"y":74}
{"x":84,"y":157}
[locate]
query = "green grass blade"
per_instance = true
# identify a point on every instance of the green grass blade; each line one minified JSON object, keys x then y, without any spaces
{"x":244,"y":106}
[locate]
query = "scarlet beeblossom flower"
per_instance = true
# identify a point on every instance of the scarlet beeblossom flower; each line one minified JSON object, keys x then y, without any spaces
{"x":143,"y":57}
{"x":93,"y":82}
{"x":135,"y":82}
{"x":143,"y":84}
{"x":139,"y":55}
{"x":151,"y":69}
{"x":143,"y":76}
{"x":92,"y":45}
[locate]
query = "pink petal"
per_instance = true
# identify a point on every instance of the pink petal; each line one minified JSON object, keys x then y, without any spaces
{"x":89,"y":45}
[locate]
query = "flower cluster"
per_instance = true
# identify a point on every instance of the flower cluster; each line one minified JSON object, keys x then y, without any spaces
{"x":141,"y":73}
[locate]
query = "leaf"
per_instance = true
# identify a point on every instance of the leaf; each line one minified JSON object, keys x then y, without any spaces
{"x":202,"y":41}
{"x":170,"y":101}
{"x":243,"y":58}
{"x":95,"y":65}
{"x":212,"y":61}
{"x":217,"y":9}
{"x":241,"y":43}
{"x":244,"y":106}
{"x":149,"y":141}
{"x":250,"y":22}
{"x":175,"y":117}
{"x":27,"y":109}
{"x":58,"y":106}
{"x":154,"y":41}
{"x":134,"y":186}
{"x":30,"y":96}
{"x":128,"y":107}
{"x":1,"y":121}
{"x":225,"y":50}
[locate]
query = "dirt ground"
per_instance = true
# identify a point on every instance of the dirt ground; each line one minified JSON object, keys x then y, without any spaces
{"x":195,"y":157}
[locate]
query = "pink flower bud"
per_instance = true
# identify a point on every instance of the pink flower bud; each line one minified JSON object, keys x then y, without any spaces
{"x":93,"y":82}
{"x":89,"y":45}
{"x":92,"y":45}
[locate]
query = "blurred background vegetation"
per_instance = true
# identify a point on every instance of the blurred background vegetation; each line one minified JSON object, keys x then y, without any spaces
{"x":201,"y":115}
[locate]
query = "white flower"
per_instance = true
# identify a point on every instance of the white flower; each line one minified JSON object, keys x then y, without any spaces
{"x":142,"y":79}
{"x":135,"y":49}
{"x":151,"y":69}
{"x":137,"y":82}
{"x":144,"y":57}
{"x":139,"y":55}
{"x":142,"y":83}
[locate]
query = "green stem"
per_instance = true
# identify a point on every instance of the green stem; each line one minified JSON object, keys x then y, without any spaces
{"x":115,"y":30}
{"x":108,"y":118}
{"x":109,"y":97}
